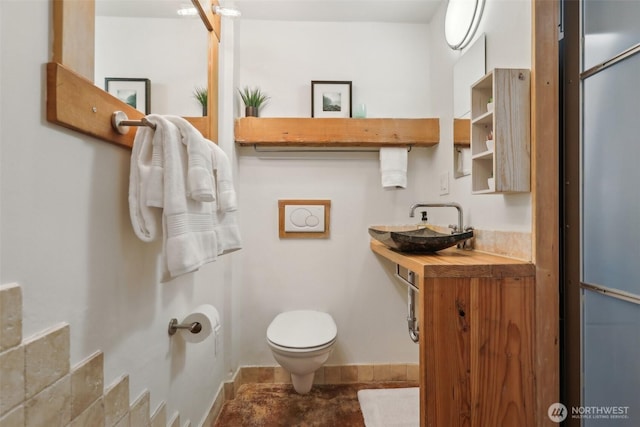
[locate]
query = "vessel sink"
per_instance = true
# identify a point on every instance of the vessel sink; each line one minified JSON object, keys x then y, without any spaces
{"x":416,"y":238}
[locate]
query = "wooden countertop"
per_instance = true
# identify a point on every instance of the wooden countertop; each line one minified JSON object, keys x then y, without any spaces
{"x":455,"y":262}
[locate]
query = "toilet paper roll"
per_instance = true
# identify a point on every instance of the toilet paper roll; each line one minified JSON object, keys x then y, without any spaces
{"x":207,"y":316}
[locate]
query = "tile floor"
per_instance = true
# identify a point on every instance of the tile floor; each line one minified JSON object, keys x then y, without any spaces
{"x":278,"y":405}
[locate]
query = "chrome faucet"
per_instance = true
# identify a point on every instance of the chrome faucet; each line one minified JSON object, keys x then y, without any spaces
{"x":460,"y":226}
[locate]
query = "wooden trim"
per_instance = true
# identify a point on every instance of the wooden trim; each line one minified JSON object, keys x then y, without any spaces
{"x":462,"y":132}
{"x":545,"y":201}
{"x":213,"y":95}
{"x":337,"y":132}
{"x":74,"y":35}
{"x":215,"y":20}
{"x":73,"y":101}
{"x":76,"y":103}
{"x":571,"y":371}
{"x":304,"y":235}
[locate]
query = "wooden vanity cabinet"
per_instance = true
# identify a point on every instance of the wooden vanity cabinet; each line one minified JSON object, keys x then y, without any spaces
{"x":476,"y":337}
{"x":476,"y":351}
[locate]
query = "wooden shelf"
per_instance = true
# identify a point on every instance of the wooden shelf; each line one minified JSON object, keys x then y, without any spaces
{"x":347,"y":132}
{"x":509,"y":163}
{"x":462,"y":132}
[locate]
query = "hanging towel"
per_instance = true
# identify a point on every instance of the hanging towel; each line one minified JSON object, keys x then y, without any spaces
{"x":227,"y":200}
{"x":145,"y":218}
{"x":210,"y":179}
{"x":189,"y":225}
{"x":393,"y":167}
{"x":227,"y":229}
{"x":154,"y":195}
{"x":200,"y":179}
{"x":175,"y":172}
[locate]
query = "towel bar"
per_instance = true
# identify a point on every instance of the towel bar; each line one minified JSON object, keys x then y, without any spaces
{"x":120,"y":122}
{"x":317,"y":150}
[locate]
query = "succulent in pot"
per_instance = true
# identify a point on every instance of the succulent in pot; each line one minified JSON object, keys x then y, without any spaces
{"x":253,"y":99}
{"x":201,"y":94}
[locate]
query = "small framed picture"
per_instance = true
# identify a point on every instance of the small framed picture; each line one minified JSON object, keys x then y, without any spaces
{"x":135,"y":92}
{"x":330,"y":98}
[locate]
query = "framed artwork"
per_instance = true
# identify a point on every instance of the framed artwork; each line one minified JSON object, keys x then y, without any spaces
{"x":330,"y":98}
{"x":135,"y":92}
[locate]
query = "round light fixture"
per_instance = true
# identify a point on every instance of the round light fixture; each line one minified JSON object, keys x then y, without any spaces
{"x":461,"y":21}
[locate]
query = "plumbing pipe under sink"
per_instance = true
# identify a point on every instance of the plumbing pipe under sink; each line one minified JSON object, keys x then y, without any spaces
{"x":412,"y":321}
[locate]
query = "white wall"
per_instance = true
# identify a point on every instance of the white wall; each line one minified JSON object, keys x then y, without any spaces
{"x":339,"y":275}
{"x":507,"y":26}
{"x":172,"y":53}
{"x":398,"y":70}
{"x":67,"y":239}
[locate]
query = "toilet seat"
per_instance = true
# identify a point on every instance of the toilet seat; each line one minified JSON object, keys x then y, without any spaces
{"x":302,"y":329}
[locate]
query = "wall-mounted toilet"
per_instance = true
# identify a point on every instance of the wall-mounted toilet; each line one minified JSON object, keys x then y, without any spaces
{"x":301,"y":342}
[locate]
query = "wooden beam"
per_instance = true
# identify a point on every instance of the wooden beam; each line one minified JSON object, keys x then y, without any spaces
{"x":76,"y":103}
{"x":213,"y":74}
{"x":74,"y":35}
{"x":462,"y":132}
{"x":337,"y":132}
{"x":545,"y":200}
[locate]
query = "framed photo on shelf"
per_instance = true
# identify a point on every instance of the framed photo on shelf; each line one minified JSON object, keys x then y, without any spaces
{"x":330,"y":98}
{"x":135,"y":92}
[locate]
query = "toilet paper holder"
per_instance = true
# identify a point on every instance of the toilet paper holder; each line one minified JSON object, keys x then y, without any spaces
{"x":194,"y":327}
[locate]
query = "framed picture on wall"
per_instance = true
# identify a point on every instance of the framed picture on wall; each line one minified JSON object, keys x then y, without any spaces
{"x":330,"y":98}
{"x":135,"y":92}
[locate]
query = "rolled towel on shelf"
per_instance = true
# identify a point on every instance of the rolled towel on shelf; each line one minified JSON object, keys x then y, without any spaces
{"x":393,"y":167}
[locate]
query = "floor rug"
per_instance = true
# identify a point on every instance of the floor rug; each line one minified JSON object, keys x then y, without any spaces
{"x":398,"y":407}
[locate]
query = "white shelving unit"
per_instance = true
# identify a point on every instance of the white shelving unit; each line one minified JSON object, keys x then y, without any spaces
{"x":509,"y":163}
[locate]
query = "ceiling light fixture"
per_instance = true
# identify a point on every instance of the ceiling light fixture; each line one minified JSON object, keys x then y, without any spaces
{"x":187,"y":11}
{"x":226,"y":11}
{"x":461,"y":21}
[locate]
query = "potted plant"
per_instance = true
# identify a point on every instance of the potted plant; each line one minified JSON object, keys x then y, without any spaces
{"x":253,"y":99}
{"x":201,"y":94}
{"x":490,"y":105}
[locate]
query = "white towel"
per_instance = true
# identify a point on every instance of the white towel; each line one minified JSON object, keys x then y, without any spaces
{"x":145,"y":218}
{"x":393,"y":167}
{"x":200,"y":180}
{"x":227,"y":228}
{"x":227,"y":201}
{"x":189,"y":226}
{"x":175,"y":168}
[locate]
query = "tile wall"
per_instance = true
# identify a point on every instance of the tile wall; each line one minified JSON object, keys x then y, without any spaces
{"x":39,"y":388}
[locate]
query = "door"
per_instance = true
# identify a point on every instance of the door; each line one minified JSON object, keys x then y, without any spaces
{"x":608,"y":214}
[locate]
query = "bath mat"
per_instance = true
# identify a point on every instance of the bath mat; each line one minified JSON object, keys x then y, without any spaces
{"x":399,"y":407}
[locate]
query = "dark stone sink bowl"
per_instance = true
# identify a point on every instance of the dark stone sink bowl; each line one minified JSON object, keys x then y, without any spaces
{"x":416,"y":238}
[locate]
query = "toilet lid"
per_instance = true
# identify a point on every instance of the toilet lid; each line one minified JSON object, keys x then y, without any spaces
{"x":302,"y":329}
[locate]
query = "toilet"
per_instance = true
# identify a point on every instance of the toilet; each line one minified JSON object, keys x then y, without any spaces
{"x":301,"y":342}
